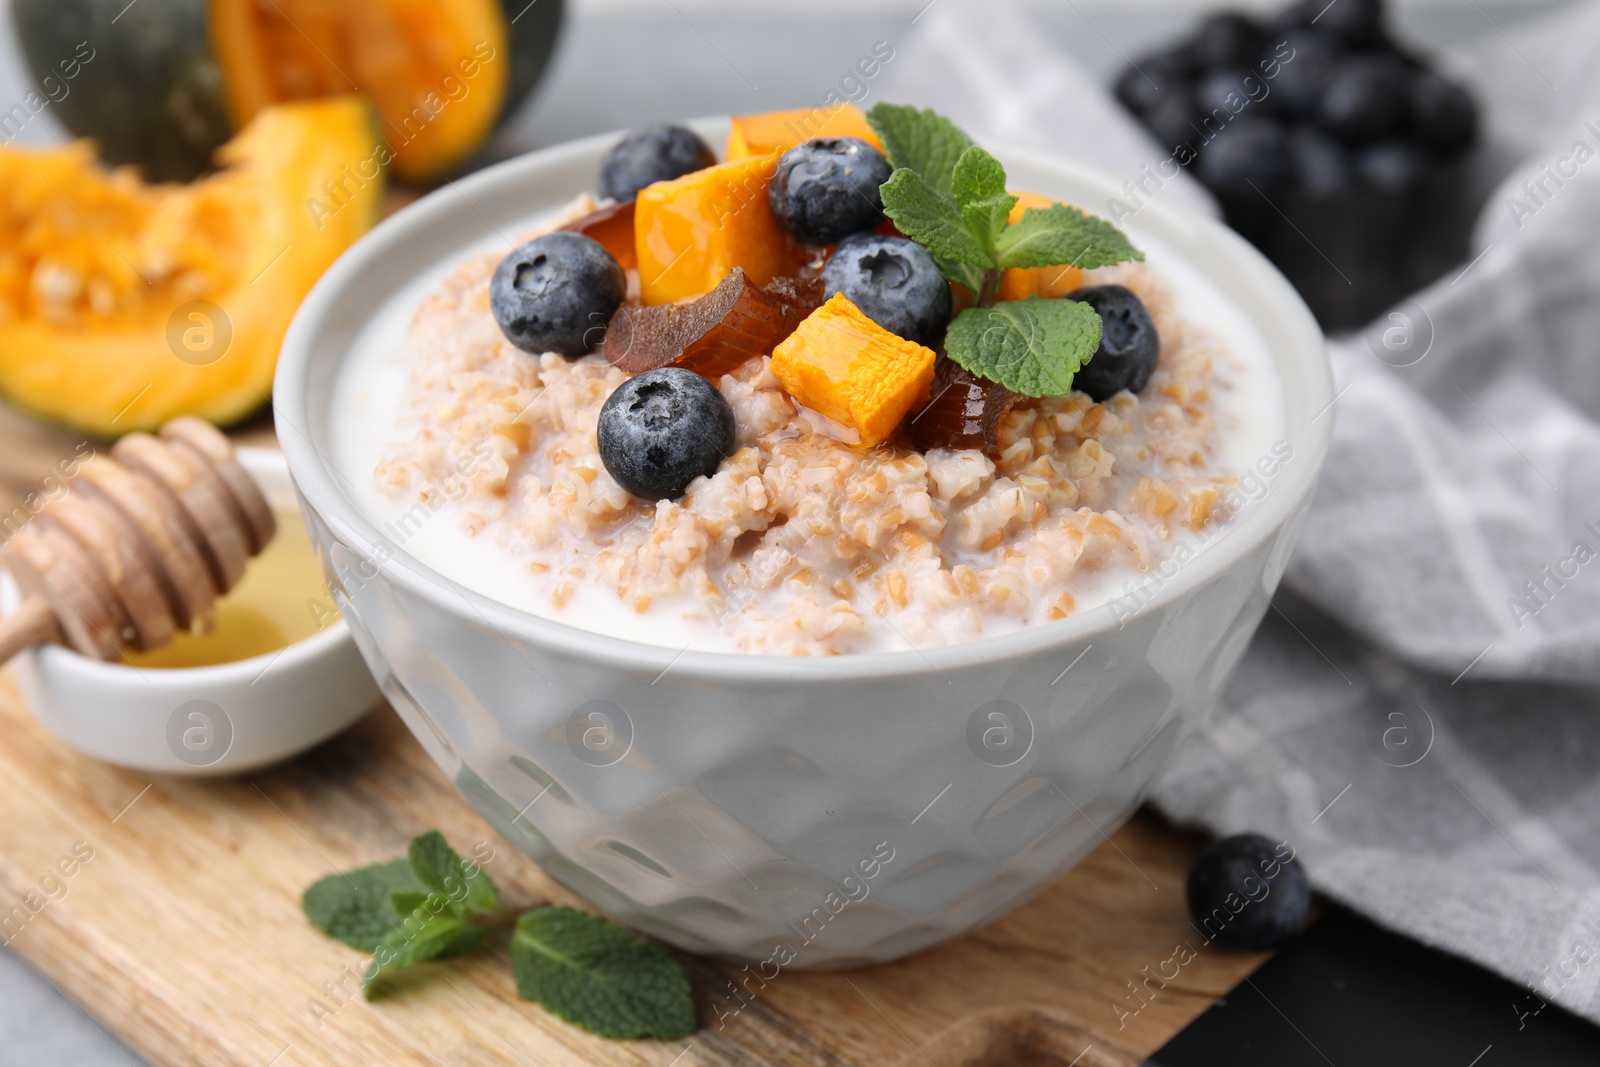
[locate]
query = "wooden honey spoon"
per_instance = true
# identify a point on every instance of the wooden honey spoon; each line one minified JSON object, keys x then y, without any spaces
{"x":141,"y":546}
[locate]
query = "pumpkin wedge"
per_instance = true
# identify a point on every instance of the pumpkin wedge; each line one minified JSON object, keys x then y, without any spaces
{"x":123,"y":304}
{"x":162,"y":83}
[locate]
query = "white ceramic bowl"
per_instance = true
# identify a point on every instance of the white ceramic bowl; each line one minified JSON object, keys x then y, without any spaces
{"x":852,"y":809}
{"x":204,"y":720}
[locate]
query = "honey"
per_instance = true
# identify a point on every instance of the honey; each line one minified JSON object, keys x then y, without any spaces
{"x":280,"y":600}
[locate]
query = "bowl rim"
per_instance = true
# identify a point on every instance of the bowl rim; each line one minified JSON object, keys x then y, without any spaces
{"x":309,"y":465}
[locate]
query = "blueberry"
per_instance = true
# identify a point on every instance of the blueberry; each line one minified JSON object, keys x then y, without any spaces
{"x":1151,"y":79}
{"x":662,"y":429}
{"x":1444,"y":116}
{"x":1244,"y":892}
{"x":1311,"y":58}
{"x":1250,"y":157}
{"x":1356,"y":22}
{"x":1227,"y":40}
{"x":1321,"y":165}
{"x":827,"y":188}
{"x":894,"y":282}
{"x":1366,"y":99}
{"x":1230,"y":92}
{"x":1392,"y":166}
{"x":1171,"y":122}
{"x":1129,"y":344}
{"x":557,"y":293}
{"x":651,"y":154}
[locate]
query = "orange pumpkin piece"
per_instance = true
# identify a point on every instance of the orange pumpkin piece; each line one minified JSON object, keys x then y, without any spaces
{"x":844,"y":365}
{"x":689,"y":233}
{"x":1020,"y":282}
{"x":779,"y":131}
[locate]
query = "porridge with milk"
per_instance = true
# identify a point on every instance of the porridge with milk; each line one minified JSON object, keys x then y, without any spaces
{"x":749,"y":443}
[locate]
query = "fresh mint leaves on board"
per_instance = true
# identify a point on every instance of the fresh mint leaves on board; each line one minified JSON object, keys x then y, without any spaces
{"x":354,"y":907}
{"x":433,"y":905}
{"x":590,"y":973}
{"x":950,"y":196}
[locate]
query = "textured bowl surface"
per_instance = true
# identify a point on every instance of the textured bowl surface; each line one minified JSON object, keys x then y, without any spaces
{"x":817,"y":812}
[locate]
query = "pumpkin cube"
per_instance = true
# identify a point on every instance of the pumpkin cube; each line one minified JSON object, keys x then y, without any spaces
{"x":779,"y":131}
{"x":689,"y":233}
{"x":1020,"y":282}
{"x":844,"y":365}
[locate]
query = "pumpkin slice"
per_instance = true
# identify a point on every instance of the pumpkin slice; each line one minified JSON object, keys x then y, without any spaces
{"x":1018,"y":283}
{"x":174,"y":79}
{"x":844,"y":365}
{"x":690,"y":232}
{"x":123,"y":304}
{"x":779,"y":131}
{"x":715,"y":335}
{"x":438,"y":72}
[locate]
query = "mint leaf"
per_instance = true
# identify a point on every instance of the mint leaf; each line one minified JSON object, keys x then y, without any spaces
{"x":439,"y":868}
{"x":417,"y":941}
{"x":979,"y":187}
{"x":1031,"y":346}
{"x":354,"y":907}
{"x":923,"y":141}
{"x":936,"y":222}
{"x":1059,"y":235}
{"x":408,"y":902}
{"x":596,"y":976}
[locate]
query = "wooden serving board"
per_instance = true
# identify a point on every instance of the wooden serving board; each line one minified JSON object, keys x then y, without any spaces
{"x":183,"y":933}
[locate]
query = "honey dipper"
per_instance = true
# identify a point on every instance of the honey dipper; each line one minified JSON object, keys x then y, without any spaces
{"x":142,"y":545}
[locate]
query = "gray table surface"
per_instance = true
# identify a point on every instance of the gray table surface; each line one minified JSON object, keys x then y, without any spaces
{"x":625,"y":63}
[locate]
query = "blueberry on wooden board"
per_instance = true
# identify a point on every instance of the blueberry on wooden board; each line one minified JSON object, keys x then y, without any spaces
{"x":1248,"y":891}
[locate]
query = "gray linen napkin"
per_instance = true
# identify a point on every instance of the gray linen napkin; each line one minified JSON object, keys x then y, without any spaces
{"x":1418,"y":713}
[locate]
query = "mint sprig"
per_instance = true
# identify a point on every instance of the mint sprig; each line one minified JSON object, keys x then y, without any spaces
{"x":937,"y":223}
{"x":924,"y":141}
{"x":438,"y":866}
{"x":950,"y":196}
{"x":979,"y":188}
{"x":433,"y":905}
{"x":588,"y":972}
{"x":1060,"y":235}
{"x":354,"y":907}
{"x":1031,"y":346}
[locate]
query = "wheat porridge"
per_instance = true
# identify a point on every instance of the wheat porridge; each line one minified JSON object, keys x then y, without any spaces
{"x":837,"y":497}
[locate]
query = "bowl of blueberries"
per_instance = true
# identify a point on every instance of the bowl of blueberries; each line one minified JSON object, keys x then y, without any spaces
{"x":1338,"y":151}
